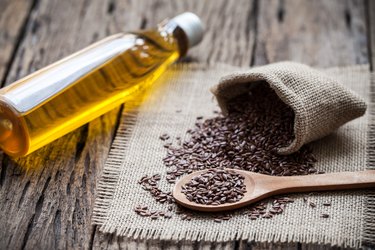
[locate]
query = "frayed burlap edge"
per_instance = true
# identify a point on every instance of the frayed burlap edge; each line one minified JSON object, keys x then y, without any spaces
{"x":111,"y":173}
{"x":369,"y":206}
{"x":110,"y":176}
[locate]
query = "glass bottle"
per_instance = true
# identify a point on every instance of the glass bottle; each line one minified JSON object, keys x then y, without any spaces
{"x":63,"y":96}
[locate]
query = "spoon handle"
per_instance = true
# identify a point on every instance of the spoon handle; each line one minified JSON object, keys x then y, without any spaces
{"x":325,"y":182}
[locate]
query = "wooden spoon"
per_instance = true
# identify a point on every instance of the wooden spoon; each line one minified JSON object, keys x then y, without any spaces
{"x":260,"y":186}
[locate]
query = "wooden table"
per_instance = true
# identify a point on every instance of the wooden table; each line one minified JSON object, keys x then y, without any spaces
{"x":46,"y":199}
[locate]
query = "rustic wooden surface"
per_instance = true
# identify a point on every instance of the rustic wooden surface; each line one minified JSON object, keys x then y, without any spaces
{"x":46,"y":199}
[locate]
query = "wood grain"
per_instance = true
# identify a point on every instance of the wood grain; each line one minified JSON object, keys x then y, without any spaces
{"x":13,"y":20}
{"x":319,"y":33}
{"x":370,"y":7}
{"x":46,"y":199}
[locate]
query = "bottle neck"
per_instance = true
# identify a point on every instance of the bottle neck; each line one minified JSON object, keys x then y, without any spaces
{"x":172,"y":28}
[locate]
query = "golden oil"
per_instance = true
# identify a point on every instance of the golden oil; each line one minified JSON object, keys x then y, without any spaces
{"x":69,"y":93}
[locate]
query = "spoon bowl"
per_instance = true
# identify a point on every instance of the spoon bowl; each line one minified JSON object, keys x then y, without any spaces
{"x":260,"y":186}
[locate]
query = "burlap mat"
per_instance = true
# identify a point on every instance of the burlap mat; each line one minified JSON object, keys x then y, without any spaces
{"x":137,"y":151}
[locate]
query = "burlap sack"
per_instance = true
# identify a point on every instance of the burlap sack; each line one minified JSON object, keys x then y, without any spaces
{"x":320,"y":104}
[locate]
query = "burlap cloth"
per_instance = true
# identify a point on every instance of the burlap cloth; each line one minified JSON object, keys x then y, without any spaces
{"x":138,"y":151}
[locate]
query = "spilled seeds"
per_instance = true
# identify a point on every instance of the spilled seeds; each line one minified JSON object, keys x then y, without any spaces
{"x":258,"y":123}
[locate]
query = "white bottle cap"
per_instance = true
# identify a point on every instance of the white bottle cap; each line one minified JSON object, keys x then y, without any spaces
{"x":191,"y":25}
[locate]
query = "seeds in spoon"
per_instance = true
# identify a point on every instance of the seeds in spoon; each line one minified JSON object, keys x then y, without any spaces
{"x":215,"y":187}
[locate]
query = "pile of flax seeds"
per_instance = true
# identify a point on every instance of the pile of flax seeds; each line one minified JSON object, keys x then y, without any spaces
{"x":247,"y":138}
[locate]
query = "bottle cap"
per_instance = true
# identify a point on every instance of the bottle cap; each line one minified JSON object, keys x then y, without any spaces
{"x":191,"y":25}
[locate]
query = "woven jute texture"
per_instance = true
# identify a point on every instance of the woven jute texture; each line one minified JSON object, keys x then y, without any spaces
{"x":320,"y":103}
{"x":171,"y":106}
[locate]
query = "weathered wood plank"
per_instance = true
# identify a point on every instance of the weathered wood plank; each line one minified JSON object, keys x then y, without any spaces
{"x":370,"y":6}
{"x":320,"y":33}
{"x":13,"y":18}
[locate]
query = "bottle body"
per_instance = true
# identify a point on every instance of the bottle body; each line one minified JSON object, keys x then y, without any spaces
{"x":63,"y":96}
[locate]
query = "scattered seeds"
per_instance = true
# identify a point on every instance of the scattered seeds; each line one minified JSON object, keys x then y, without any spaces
{"x":164,"y":137}
{"x":258,"y":123}
{"x":149,"y":183}
{"x":247,"y":138}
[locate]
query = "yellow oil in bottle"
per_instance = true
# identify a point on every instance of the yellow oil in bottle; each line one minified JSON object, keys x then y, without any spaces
{"x":63,"y":96}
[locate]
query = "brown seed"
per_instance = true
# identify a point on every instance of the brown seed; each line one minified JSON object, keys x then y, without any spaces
{"x":267,"y":216}
{"x":327,"y":204}
{"x":325,"y":216}
{"x":312,"y":204}
{"x":168,"y":215}
{"x":147,"y":213}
